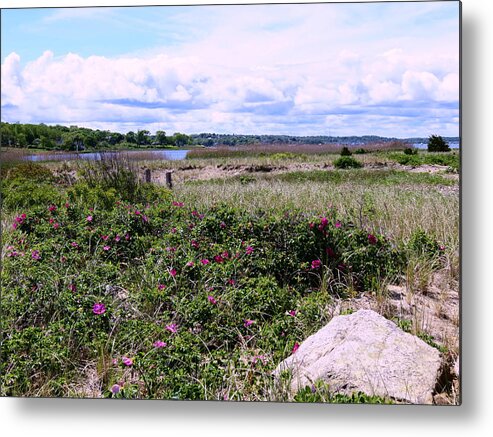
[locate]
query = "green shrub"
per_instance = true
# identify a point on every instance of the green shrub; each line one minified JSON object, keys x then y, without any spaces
{"x":345,"y":151}
{"x":347,"y":162}
{"x":437,"y":144}
{"x":360,"y":151}
{"x":410,"y":151}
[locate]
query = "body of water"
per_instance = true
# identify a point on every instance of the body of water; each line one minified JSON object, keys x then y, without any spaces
{"x":425,"y":145}
{"x":170,"y":155}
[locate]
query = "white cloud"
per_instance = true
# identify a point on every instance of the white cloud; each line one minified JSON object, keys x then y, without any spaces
{"x":295,"y":71}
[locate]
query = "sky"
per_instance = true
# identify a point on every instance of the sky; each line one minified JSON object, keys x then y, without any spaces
{"x":389,"y":69}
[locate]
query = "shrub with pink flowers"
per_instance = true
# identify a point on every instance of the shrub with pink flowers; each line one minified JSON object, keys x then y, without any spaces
{"x":179,"y":296}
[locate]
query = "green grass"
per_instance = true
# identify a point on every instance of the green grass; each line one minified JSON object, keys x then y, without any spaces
{"x":339,"y":177}
{"x":449,"y":159}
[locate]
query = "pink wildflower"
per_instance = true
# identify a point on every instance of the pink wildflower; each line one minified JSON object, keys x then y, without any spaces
{"x":295,"y":348}
{"x":292,"y":313}
{"x":115,"y":388}
{"x":52,"y":208}
{"x":145,"y":218}
{"x":99,"y":308}
{"x":190,"y":264}
{"x":222,"y":225}
{"x":324,"y":221}
{"x":161,"y":286}
{"x":330,"y":252}
{"x":178,"y":204}
{"x":14,"y":225}
{"x":247,"y":323}
{"x":218,"y":259}
{"x":23,"y":216}
{"x":35,"y":255}
{"x":105,"y":237}
{"x":89,"y":218}
{"x":117,"y":238}
{"x":204,"y":261}
{"x":137,"y":212}
{"x":56,"y":225}
{"x":372,"y":239}
{"x":127,"y":361}
{"x":73,"y":288}
{"x":172,"y":272}
{"x":249,"y":250}
{"x":194,"y":244}
{"x":159,"y":344}
{"x":127,"y":236}
{"x":231,"y":282}
{"x":225,"y":254}
{"x":74,"y":244}
{"x":173,"y":328}
{"x":338,"y":224}
{"x":106,"y":248}
{"x":173,"y":230}
{"x":212,"y":300}
{"x":316,"y":264}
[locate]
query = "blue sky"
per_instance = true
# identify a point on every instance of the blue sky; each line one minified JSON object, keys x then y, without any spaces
{"x":387,"y":69}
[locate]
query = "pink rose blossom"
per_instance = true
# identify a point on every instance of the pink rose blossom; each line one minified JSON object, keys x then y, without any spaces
{"x":316,"y":264}
{"x":173,"y":328}
{"x":372,"y":239}
{"x":99,"y":308}
{"x":127,"y":361}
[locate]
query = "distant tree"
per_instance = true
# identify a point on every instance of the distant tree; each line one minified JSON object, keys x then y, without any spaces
{"x":161,"y":137}
{"x":437,"y":144}
{"x":181,"y":140}
{"x":143,"y":137}
{"x":130,"y":137}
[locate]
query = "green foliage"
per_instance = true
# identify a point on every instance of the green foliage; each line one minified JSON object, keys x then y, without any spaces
{"x":347,"y":162}
{"x":320,"y":392}
{"x":360,"y":151}
{"x":266,"y":284}
{"x":423,"y":244}
{"x":345,"y":152}
{"x":410,"y":151}
{"x":437,"y":144}
{"x":447,"y":159}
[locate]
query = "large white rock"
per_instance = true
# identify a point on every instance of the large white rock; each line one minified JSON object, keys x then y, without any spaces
{"x":366,"y":352}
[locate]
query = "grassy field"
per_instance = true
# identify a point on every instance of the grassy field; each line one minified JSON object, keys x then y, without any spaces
{"x":115,"y":288}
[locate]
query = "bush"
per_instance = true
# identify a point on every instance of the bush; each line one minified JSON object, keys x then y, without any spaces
{"x":347,"y":162}
{"x":437,"y":144}
{"x":345,"y":152}
{"x":410,"y":151}
{"x":360,"y":151}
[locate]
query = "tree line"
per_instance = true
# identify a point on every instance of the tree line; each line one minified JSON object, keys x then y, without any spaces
{"x":77,"y":138}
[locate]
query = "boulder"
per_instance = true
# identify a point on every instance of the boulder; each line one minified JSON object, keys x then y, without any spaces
{"x":368,"y":353}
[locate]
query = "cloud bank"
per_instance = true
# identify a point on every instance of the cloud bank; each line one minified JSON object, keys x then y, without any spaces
{"x":303,"y":75}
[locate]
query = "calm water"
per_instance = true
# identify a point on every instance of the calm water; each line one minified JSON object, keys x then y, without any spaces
{"x":170,"y":155}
